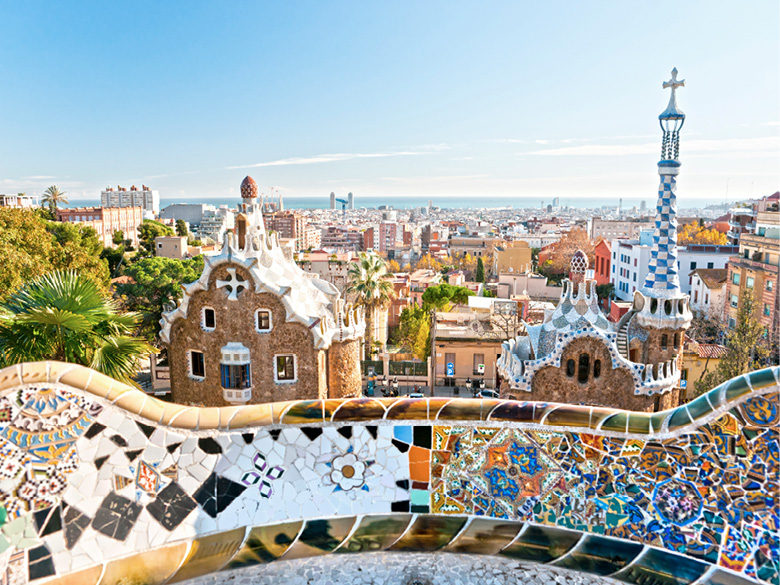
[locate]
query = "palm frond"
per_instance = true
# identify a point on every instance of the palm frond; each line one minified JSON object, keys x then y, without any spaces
{"x":118,"y":357}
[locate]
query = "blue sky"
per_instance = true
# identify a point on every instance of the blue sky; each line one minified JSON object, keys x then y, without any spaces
{"x":489,"y":99}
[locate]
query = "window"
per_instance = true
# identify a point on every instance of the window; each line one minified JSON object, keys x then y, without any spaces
{"x":159,"y":245}
{"x":767,"y":309}
{"x":693,"y":265}
{"x":710,"y":264}
{"x":769,"y":284}
{"x":197,"y":365}
{"x":664,"y":341}
{"x":263,"y":321}
{"x":734,"y":300}
{"x":284,"y":368}
{"x":735,"y":278}
{"x":236,"y":376}
{"x":676,"y":340}
{"x":209,"y":319}
{"x":732,"y":322}
{"x":570,"y":368}
{"x":479,"y":360}
{"x":749,"y":282}
{"x":597,"y":368}
{"x":684,"y":374}
{"x":584,"y":366}
{"x":695,"y":296}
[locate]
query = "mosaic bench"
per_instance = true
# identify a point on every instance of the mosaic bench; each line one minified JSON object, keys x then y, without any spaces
{"x":100,"y":483}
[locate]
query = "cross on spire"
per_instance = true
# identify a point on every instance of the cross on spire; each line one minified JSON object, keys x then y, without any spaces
{"x":674,"y":84}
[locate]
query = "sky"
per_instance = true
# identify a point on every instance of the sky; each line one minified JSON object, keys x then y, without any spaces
{"x":388,"y":99}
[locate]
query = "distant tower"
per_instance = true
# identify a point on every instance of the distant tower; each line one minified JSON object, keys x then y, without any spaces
{"x":333,"y":200}
{"x":620,"y":207}
{"x":351,"y":199}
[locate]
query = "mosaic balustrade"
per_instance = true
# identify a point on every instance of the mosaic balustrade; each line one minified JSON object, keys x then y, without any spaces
{"x":100,"y":483}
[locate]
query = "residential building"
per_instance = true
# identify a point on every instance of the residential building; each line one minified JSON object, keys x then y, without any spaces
{"x":697,"y":360}
{"x":255,"y":328}
{"x":511,"y":286}
{"x":171,"y":247}
{"x":388,"y":235}
{"x":756,"y":269}
{"x":332,"y":268}
{"x":288,"y":224}
{"x":474,"y":246}
{"x":419,"y":281}
{"x":106,"y":221}
{"x":708,"y":290}
{"x":342,"y":238}
{"x":145,"y":198}
{"x":617,"y":229}
{"x":603,"y":261}
{"x":514,"y":257}
{"x":630,"y":263}
{"x":19,"y":200}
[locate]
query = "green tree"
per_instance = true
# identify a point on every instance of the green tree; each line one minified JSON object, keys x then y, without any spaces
{"x":371,"y":284}
{"x":53,"y":197}
{"x":181,"y":228}
{"x":147,"y":232}
{"x":153,"y":283}
{"x":64,"y":316}
{"x":78,"y":248}
{"x":442,"y":295}
{"x":604,"y":291}
{"x":118,"y":238}
{"x":747,"y":347}
{"x":25,"y":248}
{"x":480,"y":270}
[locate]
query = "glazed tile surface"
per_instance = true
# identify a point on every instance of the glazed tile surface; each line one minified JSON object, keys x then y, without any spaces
{"x":689,"y":494}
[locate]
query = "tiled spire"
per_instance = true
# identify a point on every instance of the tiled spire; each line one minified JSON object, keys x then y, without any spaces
{"x":663,"y":280}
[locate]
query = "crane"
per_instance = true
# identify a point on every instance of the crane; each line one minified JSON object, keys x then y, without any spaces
{"x":344,"y":204}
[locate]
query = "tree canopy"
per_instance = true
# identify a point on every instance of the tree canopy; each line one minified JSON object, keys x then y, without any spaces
{"x":576,"y":239}
{"x":693,"y":233}
{"x":441,"y":295}
{"x":747,"y":347}
{"x":181,"y":228}
{"x":53,"y":197}
{"x":30,"y":247}
{"x":480,"y":271}
{"x":414,"y":331}
{"x":147,"y":232}
{"x":153,"y":283}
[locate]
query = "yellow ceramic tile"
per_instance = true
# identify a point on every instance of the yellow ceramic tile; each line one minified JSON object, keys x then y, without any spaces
{"x":78,"y":377}
{"x":153,"y":409}
{"x":33,"y":372}
{"x":172,"y":411}
{"x":132,"y":401}
{"x":102,"y":385}
{"x":304,"y":412}
{"x":209,"y":554}
{"x":56,"y":369}
{"x":279,"y":408}
{"x":86,"y":577}
{"x":226,"y":414}
{"x":265,"y":544}
{"x":254,"y":415}
{"x":152,"y":566}
{"x":187,"y":418}
{"x":208,"y":419}
{"x":9,"y":377}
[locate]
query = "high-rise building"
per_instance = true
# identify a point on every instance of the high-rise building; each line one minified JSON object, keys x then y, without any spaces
{"x":332,"y":200}
{"x":145,"y":198}
{"x":351,"y":200}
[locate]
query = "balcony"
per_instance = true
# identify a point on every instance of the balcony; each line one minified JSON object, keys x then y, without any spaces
{"x":735,"y":211}
{"x":747,"y":263}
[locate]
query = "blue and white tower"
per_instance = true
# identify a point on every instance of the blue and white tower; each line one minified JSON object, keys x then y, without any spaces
{"x":660,"y":315}
{"x":663,"y":280}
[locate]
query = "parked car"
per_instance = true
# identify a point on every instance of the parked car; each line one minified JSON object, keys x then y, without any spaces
{"x":487,"y":394}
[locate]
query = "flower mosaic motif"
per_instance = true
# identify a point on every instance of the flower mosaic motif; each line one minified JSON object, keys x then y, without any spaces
{"x":677,"y":501}
{"x":263,"y":474}
{"x":348,"y":472}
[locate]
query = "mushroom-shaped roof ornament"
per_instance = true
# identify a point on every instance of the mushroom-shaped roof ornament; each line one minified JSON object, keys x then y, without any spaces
{"x":249,"y":188}
{"x":579,"y":262}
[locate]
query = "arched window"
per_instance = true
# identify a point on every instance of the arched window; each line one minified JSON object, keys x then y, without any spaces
{"x":653,"y":305}
{"x":570,"y":368}
{"x":584,"y":367}
{"x":664,"y":341}
{"x":676,"y":340}
{"x":597,"y":368}
{"x":668,"y":307}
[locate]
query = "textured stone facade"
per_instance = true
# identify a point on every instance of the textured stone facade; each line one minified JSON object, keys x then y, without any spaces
{"x":236,"y":322}
{"x":344,"y":378}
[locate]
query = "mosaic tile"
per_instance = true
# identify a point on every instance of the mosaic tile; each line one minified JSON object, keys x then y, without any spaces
{"x":265,"y":544}
{"x":217,"y":493}
{"x":171,"y":506}
{"x":116,"y":517}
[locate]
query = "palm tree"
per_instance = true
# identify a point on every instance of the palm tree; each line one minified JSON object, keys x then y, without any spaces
{"x":53,"y":197}
{"x":372,"y":286}
{"x":64,"y":316}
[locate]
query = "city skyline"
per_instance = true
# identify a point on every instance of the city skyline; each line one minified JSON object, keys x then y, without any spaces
{"x":386,"y":101}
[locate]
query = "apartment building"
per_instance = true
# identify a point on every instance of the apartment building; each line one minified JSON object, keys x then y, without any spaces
{"x":756,"y":269}
{"x":106,"y":221}
{"x":708,"y":290}
{"x":617,"y":229}
{"x":145,"y":198}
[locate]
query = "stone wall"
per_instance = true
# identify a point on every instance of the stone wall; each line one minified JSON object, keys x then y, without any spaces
{"x":344,"y":377}
{"x":653,"y":352}
{"x":236,"y":322}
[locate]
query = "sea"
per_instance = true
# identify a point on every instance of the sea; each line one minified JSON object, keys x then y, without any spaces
{"x":417,"y":202}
